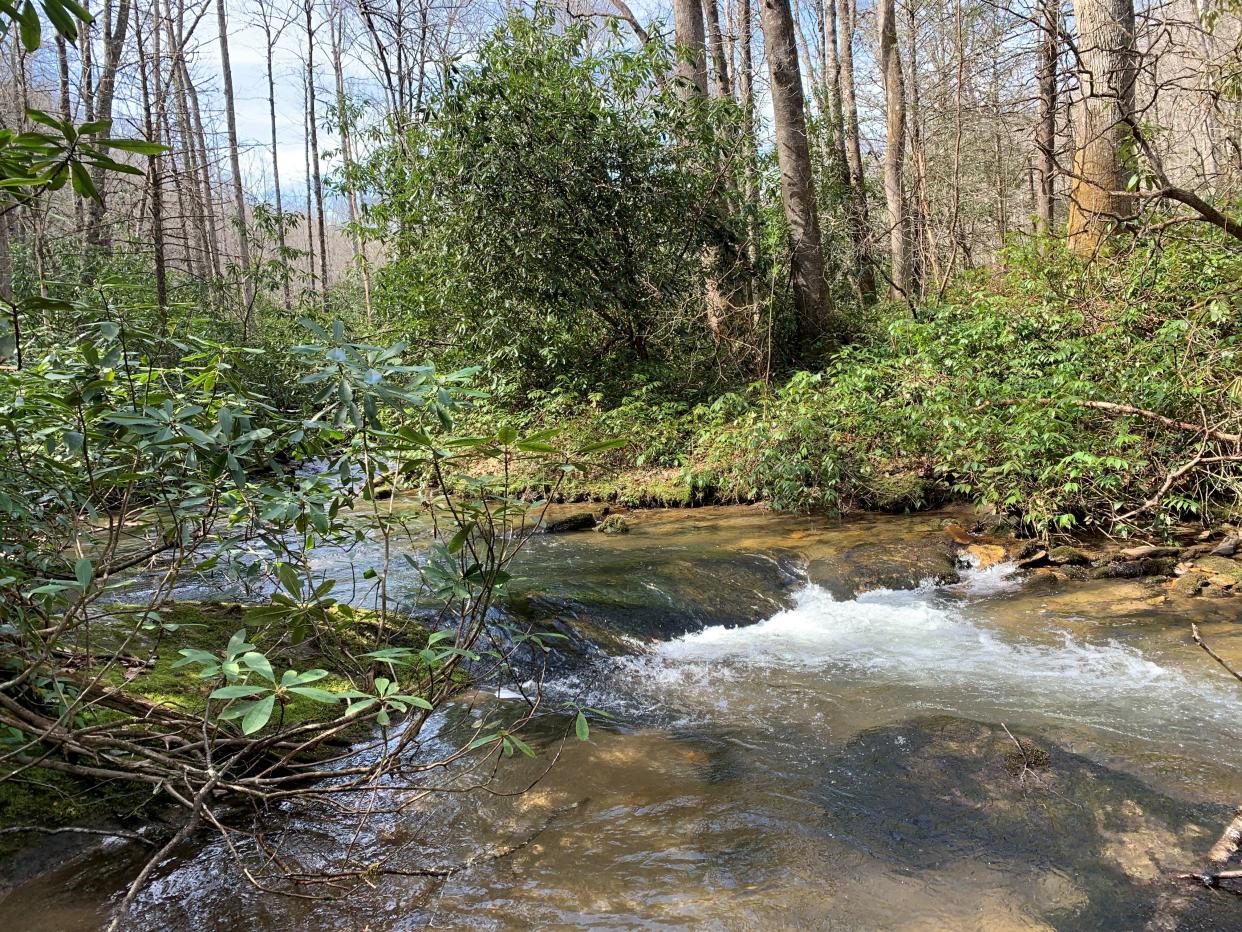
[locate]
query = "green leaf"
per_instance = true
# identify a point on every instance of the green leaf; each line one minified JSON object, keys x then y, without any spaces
{"x":83,"y":572}
{"x":237,"y":691}
{"x":28,"y":25}
{"x":82,"y":182}
{"x":259,"y":664}
{"x":317,"y":694}
{"x":604,"y":445}
{"x":139,"y":146}
{"x":257,"y":717}
{"x":581,"y":727}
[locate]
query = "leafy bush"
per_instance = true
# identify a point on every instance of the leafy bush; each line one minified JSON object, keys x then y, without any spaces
{"x":979,"y":396}
{"x":548,"y":217}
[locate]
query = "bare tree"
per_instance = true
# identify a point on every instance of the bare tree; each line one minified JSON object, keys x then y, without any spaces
{"x":1046,"y":139}
{"x":810,"y":286}
{"x":1107,"y":70}
{"x":895,"y":147}
{"x":239,"y":193}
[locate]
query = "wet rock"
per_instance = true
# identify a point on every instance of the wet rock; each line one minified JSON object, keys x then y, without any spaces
{"x":1187,"y":585}
{"x":1125,"y":569}
{"x":959,"y":535}
{"x":1068,"y":556}
{"x":622,"y":599}
{"x":985,"y":555}
{"x":1158,"y":566}
{"x":582,"y":521}
{"x":1229,"y":571}
{"x":613,"y":524}
{"x":869,"y":567}
{"x":1227,"y":547}
{"x":1149,"y":551}
{"x":1195,"y":551}
{"x":1028,"y":558}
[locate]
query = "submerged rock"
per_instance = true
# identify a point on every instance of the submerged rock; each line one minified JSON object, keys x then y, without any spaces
{"x":935,"y":792}
{"x":883,"y":565}
{"x":582,"y":521}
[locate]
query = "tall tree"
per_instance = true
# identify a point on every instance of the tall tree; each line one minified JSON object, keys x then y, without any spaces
{"x":1046,"y":135}
{"x":688,"y":31}
{"x":272,"y":28}
{"x":115,"y":27}
{"x":1107,"y":69}
{"x":239,"y":193}
{"x":793,"y":153}
{"x":895,"y":147}
{"x":336,"y":27}
{"x":312,"y":131}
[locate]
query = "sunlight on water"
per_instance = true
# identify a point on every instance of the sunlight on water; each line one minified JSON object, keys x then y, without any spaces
{"x":933,"y":647}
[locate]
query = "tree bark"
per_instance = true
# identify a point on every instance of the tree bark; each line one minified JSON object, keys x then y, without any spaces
{"x":1107,"y":69}
{"x":1046,"y":136}
{"x":688,"y":32}
{"x":313,"y":131}
{"x":115,"y":30}
{"x":151,"y":79}
{"x":269,"y":40}
{"x":895,"y":147}
{"x":239,"y":194}
{"x":722,"y":87}
{"x":810,"y":286}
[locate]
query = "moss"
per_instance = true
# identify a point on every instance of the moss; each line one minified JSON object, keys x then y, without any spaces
{"x":1029,"y":756}
{"x":51,"y":799}
{"x":614,"y":524}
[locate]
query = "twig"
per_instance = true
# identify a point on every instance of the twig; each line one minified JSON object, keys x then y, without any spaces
{"x":76,"y":830}
{"x":1198,"y":639}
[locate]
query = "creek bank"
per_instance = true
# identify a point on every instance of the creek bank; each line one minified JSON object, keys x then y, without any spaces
{"x":1210,"y":565}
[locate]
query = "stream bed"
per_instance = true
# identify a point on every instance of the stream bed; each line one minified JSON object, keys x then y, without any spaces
{"x":811,"y":725}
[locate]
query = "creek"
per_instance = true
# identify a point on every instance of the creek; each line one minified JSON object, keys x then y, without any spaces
{"x":810,"y":724}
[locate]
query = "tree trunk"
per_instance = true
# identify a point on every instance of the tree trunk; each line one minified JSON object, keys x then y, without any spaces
{"x":347,"y":157}
{"x":115,"y":30}
{"x":151,"y":79}
{"x":793,"y":154}
{"x":313,"y":138}
{"x":1046,"y":137}
{"x":1106,"y":74}
{"x":856,"y":201}
{"x":269,"y":47}
{"x":239,"y":194}
{"x":721,"y":85}
{"x":691,"y":52}
{"x":895,"y":147}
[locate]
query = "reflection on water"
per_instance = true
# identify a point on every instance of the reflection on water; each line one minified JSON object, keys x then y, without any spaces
{"x":783,"y":758}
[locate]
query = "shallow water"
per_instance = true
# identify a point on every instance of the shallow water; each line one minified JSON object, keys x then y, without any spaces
{"x":780,"y":757}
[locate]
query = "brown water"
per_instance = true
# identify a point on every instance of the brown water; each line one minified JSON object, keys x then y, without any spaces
{"x":783,"y":755}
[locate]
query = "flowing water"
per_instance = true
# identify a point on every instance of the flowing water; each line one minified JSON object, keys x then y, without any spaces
{"x":784,"y":753}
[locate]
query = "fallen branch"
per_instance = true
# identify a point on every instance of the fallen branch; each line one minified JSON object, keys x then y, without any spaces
{"x":1113,"y":408}
{"x":1198,"y":639}
{"x":75,"y":830}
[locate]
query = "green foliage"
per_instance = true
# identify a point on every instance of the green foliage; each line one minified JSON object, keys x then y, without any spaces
{"x":548,"y":217}
{"x":977,"y":397}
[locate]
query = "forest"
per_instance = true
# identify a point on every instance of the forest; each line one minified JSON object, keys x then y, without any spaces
{"x":329,"y":327}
